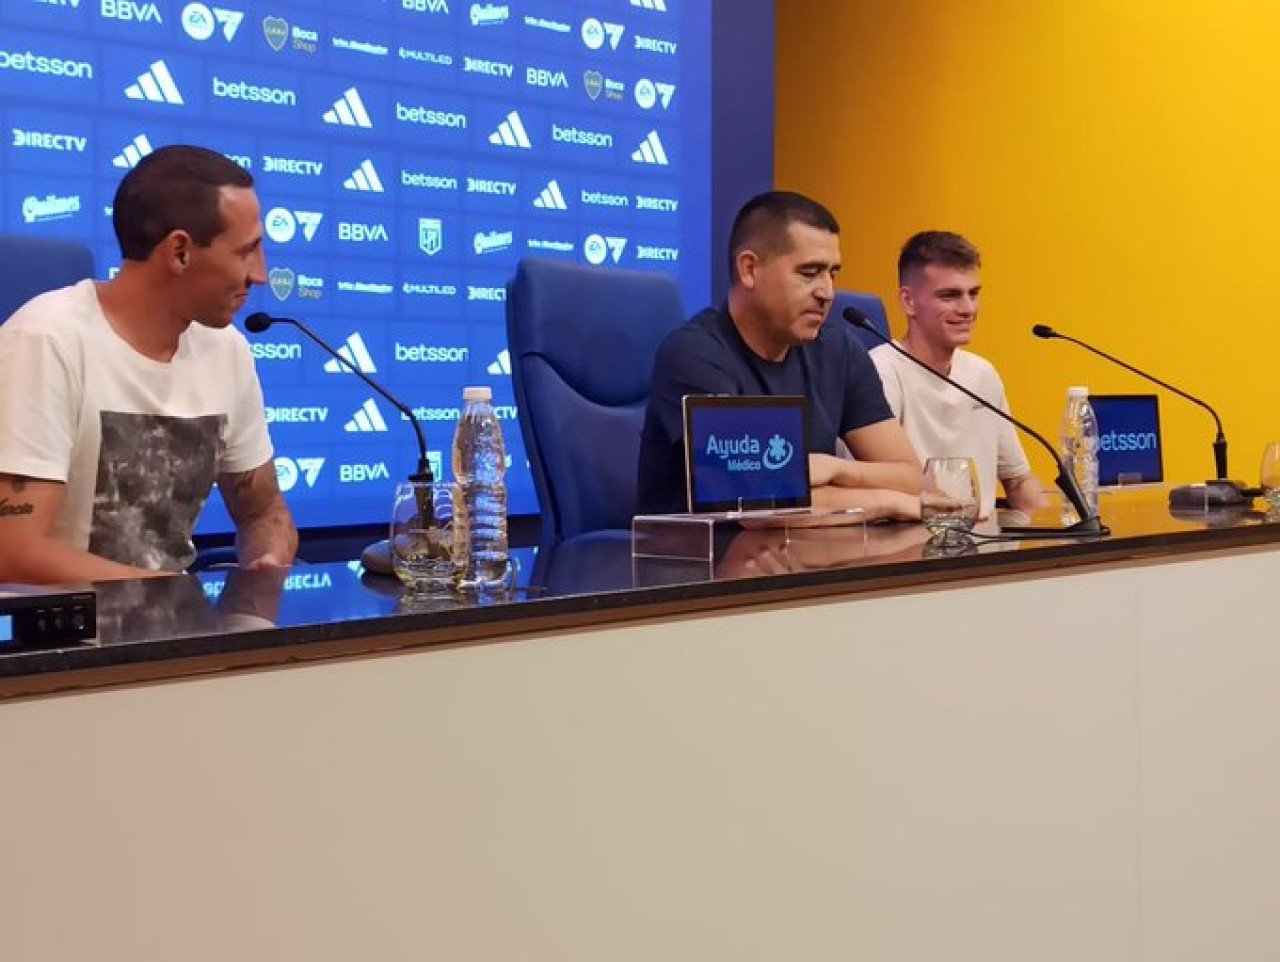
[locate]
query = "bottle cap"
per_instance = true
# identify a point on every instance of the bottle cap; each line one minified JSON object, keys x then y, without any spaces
{"x":482,"y":393}
{"x":1077,"y":391}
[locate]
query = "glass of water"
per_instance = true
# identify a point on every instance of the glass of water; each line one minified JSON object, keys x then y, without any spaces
{"x":423,"y":546}
{"x":949,"y":497}
{"x":1271,"y":474}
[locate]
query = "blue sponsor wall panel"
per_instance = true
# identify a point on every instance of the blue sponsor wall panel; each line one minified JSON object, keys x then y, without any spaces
{"x":407,"y":154}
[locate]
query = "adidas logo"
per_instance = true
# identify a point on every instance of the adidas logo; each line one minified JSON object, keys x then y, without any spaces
{"x":132,"y":153}
{"x":365,"y":178}
{"x":155,"y":86}
{"x":511,"y":133}
{"x":367,"y":420}
{"x":650,"y":151}
{"x":501,"y":367}
{"x":348,"y":111}
{"x":659,"y":5}
{"x":551,"y":198}
{"x":356,"y":354}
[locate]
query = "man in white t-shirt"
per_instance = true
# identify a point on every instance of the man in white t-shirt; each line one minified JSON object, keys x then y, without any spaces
{"x":939,"y":288}
{"x":123,"y":401}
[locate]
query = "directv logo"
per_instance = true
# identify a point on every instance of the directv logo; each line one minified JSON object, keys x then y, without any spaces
{"x":132,"y":153}
{"x":367,"y":420}
{"x":511,"y":133}
{"x":355,"y":352}
{"x":365,"y":178}
{"x":155,"y":86}
{"x":348,"y":111}
{"x":659,"y":5}
{"x":650,"y":151}
{"x":551,"y":198}
{"x":501,"y":367}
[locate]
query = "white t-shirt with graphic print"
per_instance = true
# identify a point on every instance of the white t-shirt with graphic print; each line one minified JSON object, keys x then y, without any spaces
{"x":139,"y":443}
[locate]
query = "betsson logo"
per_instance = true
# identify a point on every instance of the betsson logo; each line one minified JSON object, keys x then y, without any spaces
{"x":253,"y":93}
{"x":28,"y":62}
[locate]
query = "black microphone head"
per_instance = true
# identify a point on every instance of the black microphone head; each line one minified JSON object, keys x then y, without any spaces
{"x":857,"y":318}
{"x":1044,"y":330}
{"x":258,"y":322}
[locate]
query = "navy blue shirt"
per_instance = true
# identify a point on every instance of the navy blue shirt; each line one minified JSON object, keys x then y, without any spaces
{"x":708,"y":356}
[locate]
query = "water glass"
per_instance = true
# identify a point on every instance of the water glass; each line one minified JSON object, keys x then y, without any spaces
{"x":949,"y":496}
{"x":1271,"y":474}
{"x":423,"y":544}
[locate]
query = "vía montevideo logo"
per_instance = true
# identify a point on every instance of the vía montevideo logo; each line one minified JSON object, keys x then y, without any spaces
{"x":746,"y":454}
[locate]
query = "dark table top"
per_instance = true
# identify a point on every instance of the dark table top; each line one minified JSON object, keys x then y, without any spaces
{"x":182,"y":625}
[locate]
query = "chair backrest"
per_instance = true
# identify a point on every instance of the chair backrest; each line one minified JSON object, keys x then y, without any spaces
{"x":33,"y":265}
{"x":582,"y":341}
{"x":870,"y":305}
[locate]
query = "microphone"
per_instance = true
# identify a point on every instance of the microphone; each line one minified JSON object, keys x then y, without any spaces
{"x":1226,"y":490}
{"x":1090,"y":524}
{"x":258,"y":322}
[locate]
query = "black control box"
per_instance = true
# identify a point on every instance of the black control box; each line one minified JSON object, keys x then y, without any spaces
{"x":32,"y":618}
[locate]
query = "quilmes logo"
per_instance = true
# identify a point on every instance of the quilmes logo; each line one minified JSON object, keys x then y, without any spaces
{"x":430,"y":235}
{"x":649,"y":93}
{"x":40,"y":210}
{"x":367,"y":420}
{"x":747,"y":454}
{"x":650,"y":151}
{"x":511,"y":133}
{"x":493,"y":241}
{"x":596,"y":32}
{"x":356,"y":353}
{"x":348,"y":111}
{"x":282,"y":224}
{"x":598,"y":248}
{"x":489,"y":14}
{"x":289,"y":471}
{"x":551,"y":198}
{"x":155,"y":85}
{"x":501,"y":365}
{"x":133,"y":152}
{"x":365,"y":179}
{"x":201,"y":21}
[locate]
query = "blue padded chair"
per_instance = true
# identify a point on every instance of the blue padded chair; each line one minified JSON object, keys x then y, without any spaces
{"x":582,"y":342}
{"x":33,"y":265}
{"x":870,"y":305}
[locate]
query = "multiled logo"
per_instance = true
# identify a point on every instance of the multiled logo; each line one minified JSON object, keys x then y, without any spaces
{"x":282,"y":225}
{"x":201,"y":21}
{"x":596,"y":32}
{"x":598,"y":248}
{"x":348,"y":111}
{"x":356,"y":353}
{"x":747,"y":454}
{"x":155,"y":85}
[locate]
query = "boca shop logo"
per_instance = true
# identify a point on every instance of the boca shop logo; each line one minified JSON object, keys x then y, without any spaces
{"x":747,"y":454}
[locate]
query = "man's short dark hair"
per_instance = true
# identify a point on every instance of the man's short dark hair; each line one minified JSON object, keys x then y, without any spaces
{"x":937,"y":247}
{"x":762,"y":224}
{"x":173,"y":188}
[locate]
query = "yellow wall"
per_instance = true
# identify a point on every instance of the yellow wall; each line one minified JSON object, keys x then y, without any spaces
{"x":1117,"y":162}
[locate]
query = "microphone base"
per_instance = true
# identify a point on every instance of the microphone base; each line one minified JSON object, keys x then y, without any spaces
{"x":1212,"y":494}
{"x":1088,"y":528}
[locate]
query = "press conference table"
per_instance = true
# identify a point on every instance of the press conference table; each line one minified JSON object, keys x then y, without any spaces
{"x":821,"y":744}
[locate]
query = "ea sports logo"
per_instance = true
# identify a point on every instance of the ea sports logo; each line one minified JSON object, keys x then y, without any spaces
{"x":281,"y":225}
{"x":593,"y":33}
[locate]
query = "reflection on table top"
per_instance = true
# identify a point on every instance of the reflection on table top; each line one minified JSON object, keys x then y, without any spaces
{"x":595,"y":579}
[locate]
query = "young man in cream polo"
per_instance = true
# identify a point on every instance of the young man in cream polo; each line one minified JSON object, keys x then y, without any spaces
{"x":939,"y":290}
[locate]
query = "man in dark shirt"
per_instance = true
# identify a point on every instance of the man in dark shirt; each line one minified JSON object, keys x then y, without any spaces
{"x":771,"y":337}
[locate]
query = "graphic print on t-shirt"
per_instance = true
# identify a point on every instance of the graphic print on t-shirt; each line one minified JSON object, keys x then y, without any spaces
{"x":154,"y":475}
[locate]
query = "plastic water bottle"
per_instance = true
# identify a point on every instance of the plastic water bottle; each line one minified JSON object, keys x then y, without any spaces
{"x":1080,"y":449}
{"x":480,"y":490}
